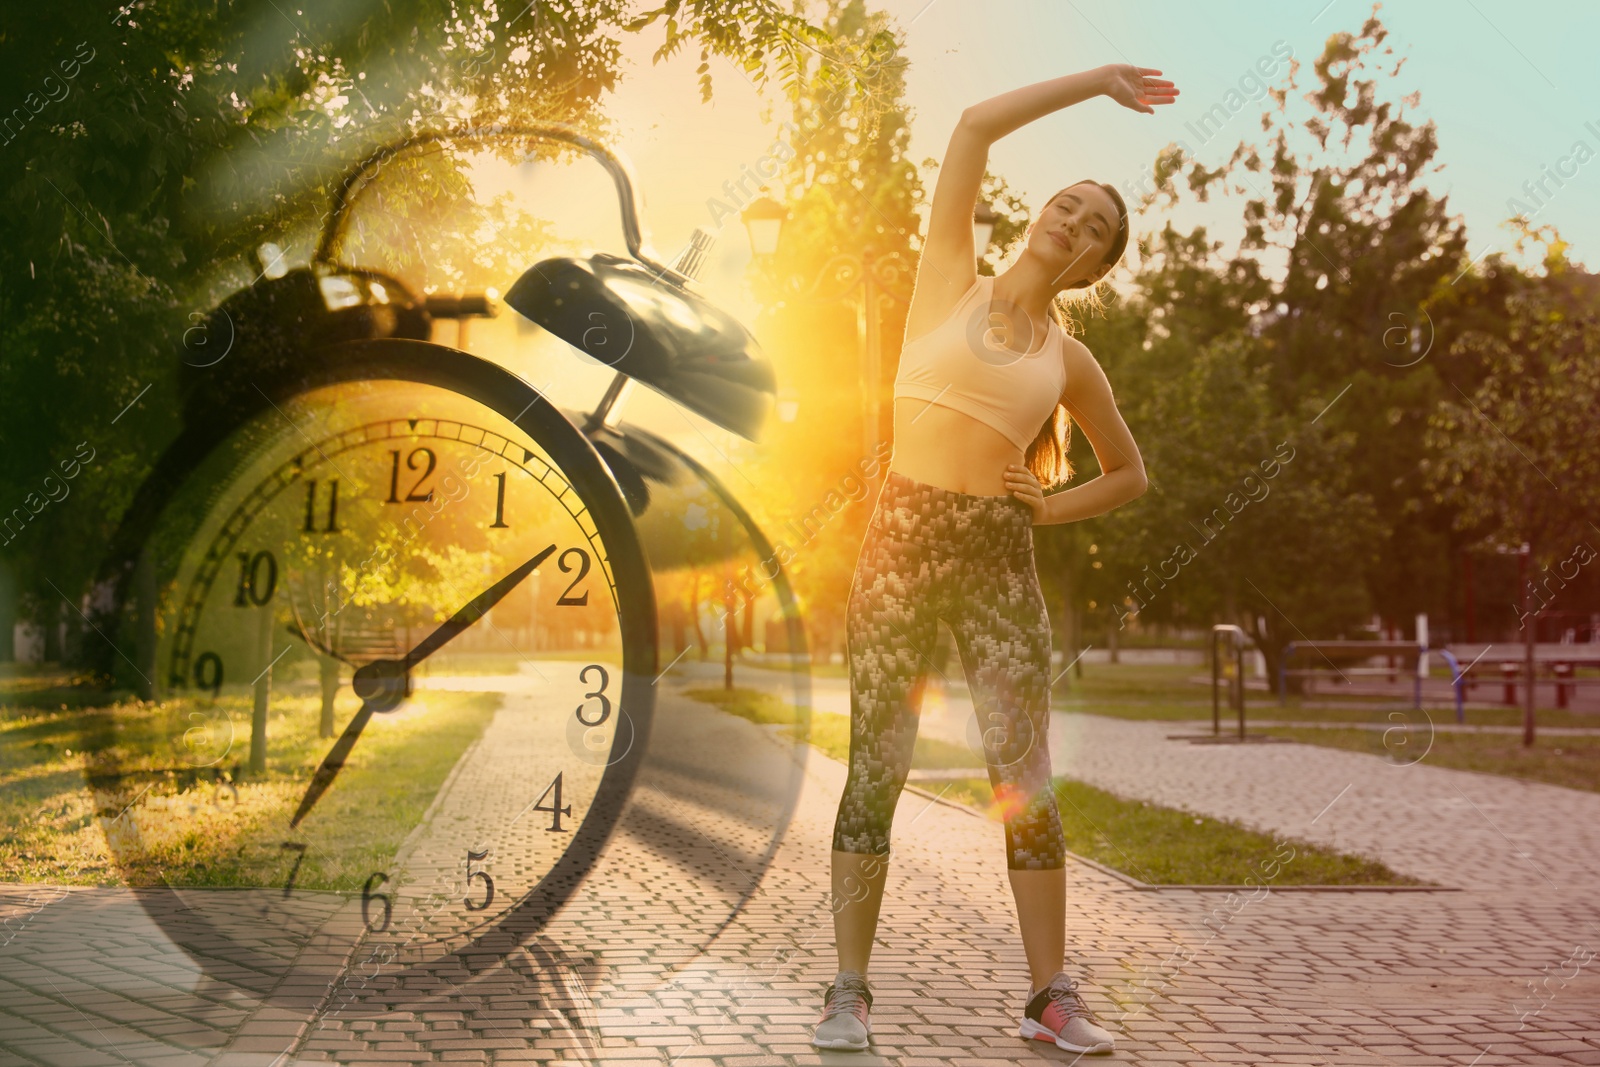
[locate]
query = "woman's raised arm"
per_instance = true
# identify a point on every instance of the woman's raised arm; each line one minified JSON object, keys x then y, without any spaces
{"x":947,"y":252}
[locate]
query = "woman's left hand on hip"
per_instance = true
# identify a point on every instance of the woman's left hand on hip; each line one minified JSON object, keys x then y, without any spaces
{"x":1021,"y":483}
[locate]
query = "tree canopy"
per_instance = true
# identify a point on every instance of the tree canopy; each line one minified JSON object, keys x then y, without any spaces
{"x":151,"y":147}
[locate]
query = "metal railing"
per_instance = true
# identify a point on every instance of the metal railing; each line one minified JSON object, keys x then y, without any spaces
{"x":1366,"y":649}
{"x":1236,"y":692}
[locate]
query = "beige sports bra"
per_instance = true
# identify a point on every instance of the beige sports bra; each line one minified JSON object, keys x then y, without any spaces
{"x":960,"y":364}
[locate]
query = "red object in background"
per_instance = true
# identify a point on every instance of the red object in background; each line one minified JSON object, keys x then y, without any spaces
{"x":1508,"y":673}
{"x":1563,"y":672}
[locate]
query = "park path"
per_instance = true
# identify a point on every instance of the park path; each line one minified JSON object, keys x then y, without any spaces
{"x":484,"y":805}
{"x":1450,"y":827}
{"x":626,"y":975}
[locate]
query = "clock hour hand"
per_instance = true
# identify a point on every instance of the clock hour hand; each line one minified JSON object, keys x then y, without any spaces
{"x":333,"y":762}
{"x":475,"y":609}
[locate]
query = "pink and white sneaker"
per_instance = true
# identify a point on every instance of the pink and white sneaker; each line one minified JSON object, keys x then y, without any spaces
{"x":1057,"y":1013}
{"x":844,"y":1023}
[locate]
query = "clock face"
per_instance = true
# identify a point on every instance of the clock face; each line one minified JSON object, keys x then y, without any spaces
{"x":342,"y":531}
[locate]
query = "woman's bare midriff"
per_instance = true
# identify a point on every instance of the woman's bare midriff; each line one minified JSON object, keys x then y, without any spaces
{"x":940,"y":446}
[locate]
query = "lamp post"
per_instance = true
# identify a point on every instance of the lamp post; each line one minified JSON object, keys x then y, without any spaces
{"x":877,"y":274}
{"x":763,"y":219}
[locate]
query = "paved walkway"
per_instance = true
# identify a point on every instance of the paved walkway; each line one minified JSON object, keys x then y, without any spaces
{"x":1454,"y":828}
{"x":695,"y":944}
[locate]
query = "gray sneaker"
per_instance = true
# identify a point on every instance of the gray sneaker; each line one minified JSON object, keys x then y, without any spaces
{"x":843,"y":1024}
{"x":1057,"y":1013}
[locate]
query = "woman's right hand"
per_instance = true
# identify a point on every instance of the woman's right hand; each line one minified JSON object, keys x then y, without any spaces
{"x":1136,"y":88}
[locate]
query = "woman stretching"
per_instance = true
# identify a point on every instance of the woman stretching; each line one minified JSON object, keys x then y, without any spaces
{"x":987,"y":382}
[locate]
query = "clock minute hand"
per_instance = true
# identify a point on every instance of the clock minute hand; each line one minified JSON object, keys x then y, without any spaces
{"x":474,"y":610}
{"x":333,"y":762}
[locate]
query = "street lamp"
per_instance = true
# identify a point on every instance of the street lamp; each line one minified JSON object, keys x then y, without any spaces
{"x":877,"y":275}
{"x":763,"y":218}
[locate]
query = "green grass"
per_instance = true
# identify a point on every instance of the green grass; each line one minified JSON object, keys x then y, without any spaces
{"x":1378,"y":712}
{"x":1119,"y":684}
{"x":831,"y":670}
{"x":1569,"y":761}
{"x":26,"y":686}
{"x":211,"y":825}
{"x":1155,"y":844}
{"x":815,"y":670}
{"x":1165,"y":693}
{"x":1167,"y":846}
{"x":754,"y":704}
{"x":1363,"y":712}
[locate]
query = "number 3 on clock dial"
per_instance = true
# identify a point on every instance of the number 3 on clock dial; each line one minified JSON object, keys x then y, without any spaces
{"x":362,"y":531}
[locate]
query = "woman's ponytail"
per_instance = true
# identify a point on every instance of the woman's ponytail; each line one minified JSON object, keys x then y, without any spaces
{"x":1047,"y":455}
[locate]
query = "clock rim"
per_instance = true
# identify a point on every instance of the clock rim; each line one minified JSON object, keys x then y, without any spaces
{"x":521,"y":403}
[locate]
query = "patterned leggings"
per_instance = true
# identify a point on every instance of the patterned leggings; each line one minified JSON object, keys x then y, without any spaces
{"x":931,"y":554}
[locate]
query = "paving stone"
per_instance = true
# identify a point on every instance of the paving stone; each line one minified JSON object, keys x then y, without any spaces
{"x":1291,"y":977}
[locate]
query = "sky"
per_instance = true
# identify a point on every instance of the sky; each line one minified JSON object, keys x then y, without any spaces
{"x":1511,"y":87}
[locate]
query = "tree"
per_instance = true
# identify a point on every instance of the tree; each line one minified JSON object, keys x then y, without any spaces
{"x":688,"y":534}
{"x":157,"y":144}
{"x":1182,"y":299}
{"x":850,"y":189}
{"x":1335,"y":213}
{"x":1518,"y":456}
{"x":1256,"y":521}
